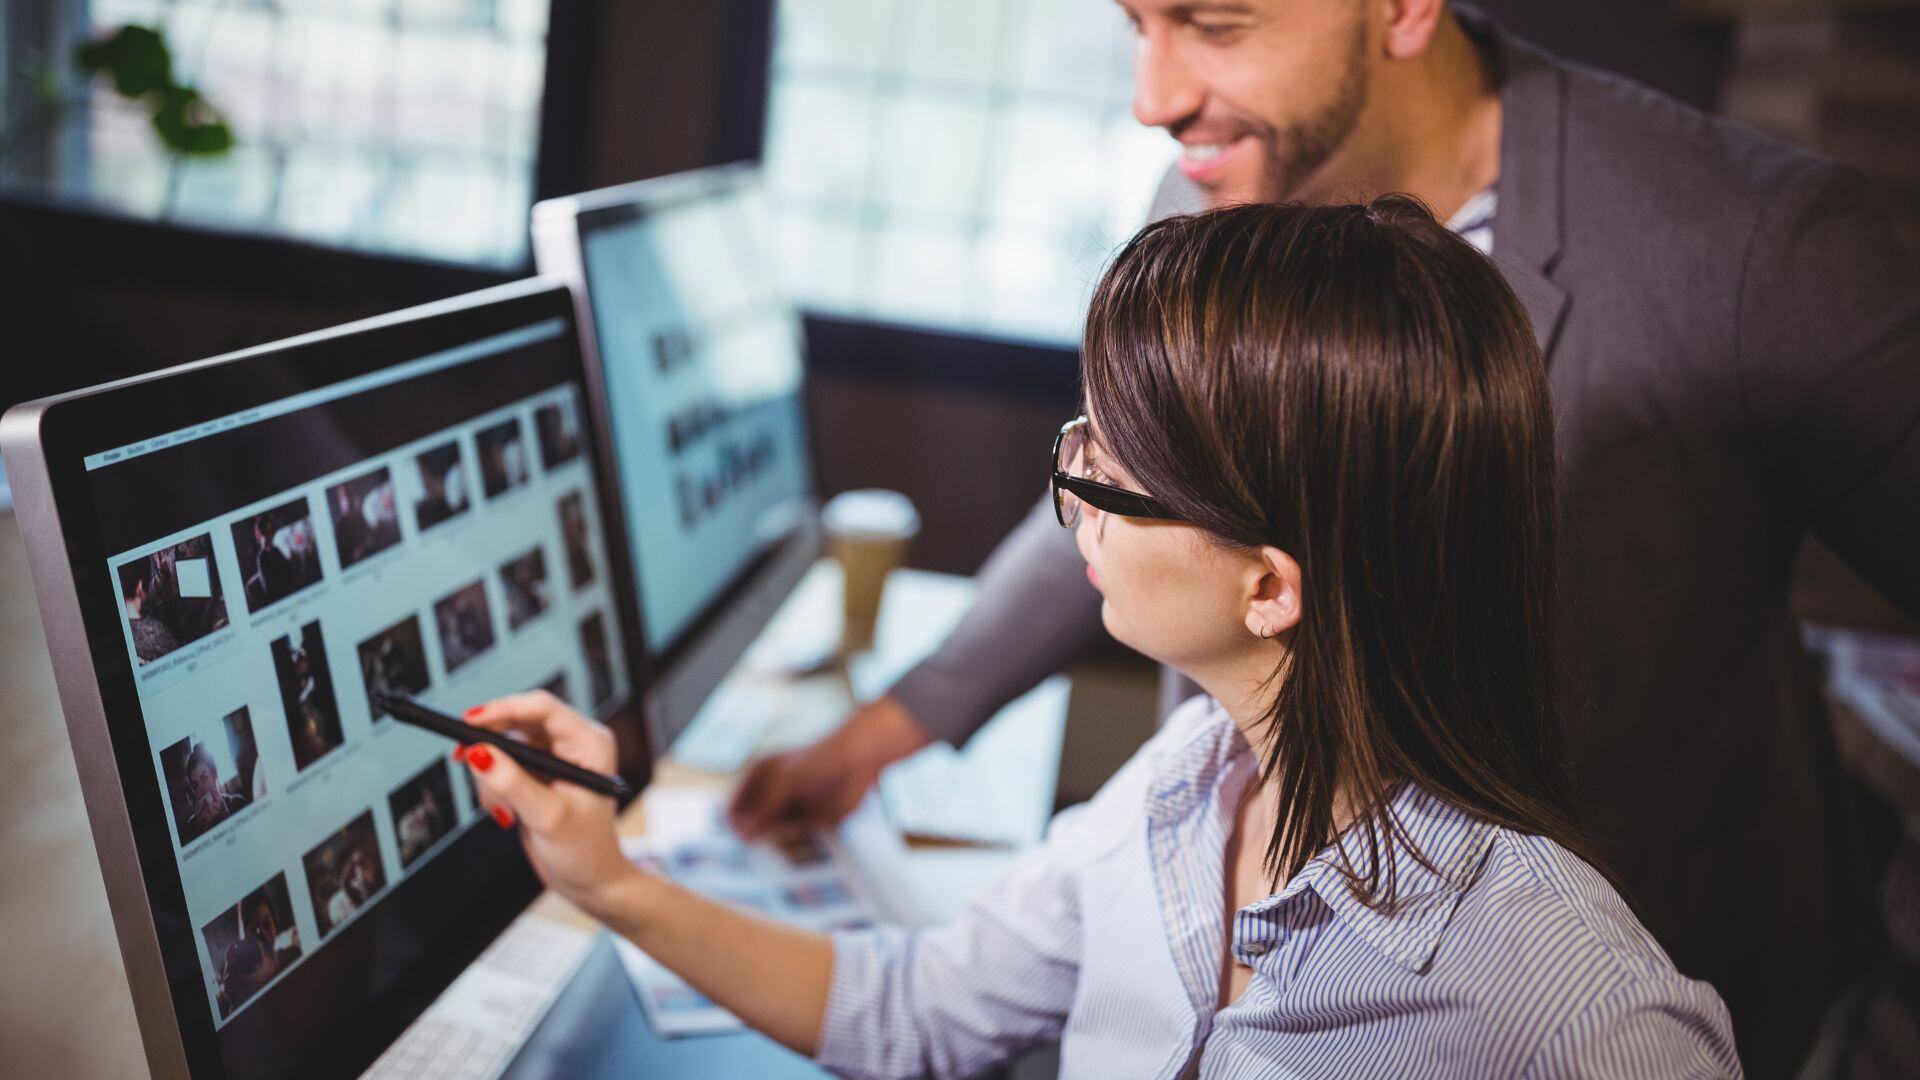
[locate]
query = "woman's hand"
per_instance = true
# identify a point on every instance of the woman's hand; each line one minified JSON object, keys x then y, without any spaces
{"x":567,"y":830}
{"x":774,"y":977}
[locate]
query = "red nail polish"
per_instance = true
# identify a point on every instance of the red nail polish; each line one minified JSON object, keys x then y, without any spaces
{"x":480,"y":757}
{"x":504,"y":816}
{"x":459,"y":753}
{"x":475,"y":711}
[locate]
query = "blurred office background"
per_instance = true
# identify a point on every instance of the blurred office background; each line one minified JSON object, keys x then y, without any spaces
{"x":948,"y":177}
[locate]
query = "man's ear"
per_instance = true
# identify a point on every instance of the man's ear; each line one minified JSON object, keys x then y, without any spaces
{"x":1273,"y":593}
{"x":1410,"y":26}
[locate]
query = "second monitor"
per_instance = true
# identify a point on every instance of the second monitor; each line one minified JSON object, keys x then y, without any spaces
{"x":700,"y":384}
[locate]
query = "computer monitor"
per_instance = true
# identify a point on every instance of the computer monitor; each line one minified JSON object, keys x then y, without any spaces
{"x":231,"y":558}
{"x":698,"y":358}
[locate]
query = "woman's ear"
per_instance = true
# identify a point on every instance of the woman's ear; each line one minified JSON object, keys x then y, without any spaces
{"x":1273,"y":601}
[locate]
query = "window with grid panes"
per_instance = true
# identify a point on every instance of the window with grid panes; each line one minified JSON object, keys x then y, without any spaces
{"x":958,"y":164}
{"x":400,"y":126}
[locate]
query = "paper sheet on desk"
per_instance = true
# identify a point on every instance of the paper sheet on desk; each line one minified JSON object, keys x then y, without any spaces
{"x":805,"y":881}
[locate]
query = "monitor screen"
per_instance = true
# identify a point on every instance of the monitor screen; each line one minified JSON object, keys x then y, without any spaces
{"x":702,"y":360}
{"x":428,"y":527}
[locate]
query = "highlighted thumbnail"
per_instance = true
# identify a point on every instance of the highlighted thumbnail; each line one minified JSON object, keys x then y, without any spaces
{"x":593,"y":647}
{"x":525,"y":582}
{"x":344,"y":873}
{"x":365,"y":522}
{"x":251,"y":943}
{"x":503,"y":457}
{"x":573,"y":530}
{"x":393,"y":662}
{"x":443,"y":485}
{"x":466,"y":625}
{"x":559,"y":431}
{"x":213,"y":774}
{"x":172,"y":597}
{"x":423,"y":811}
{"x":306,"y":691}
{"x":278,"y":553}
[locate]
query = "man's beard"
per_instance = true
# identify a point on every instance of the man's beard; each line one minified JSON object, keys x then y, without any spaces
{"x":1305,"y":146}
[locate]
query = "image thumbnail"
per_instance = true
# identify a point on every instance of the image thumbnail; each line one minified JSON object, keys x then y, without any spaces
{"x":278,"y":553}
{"x":443,"y":485}
{"x":525,"y":581}
{"x":365,"y":521}
{"x":251,"y":943}
{"x":306,"y":690}
{"x":559,"y":431}
{"x":573,"y":530}
{"x":423,"y":811}
{"x":213,"y":774}
{"x":394,"y":661}
{"x":172,"y":597}
{"x":503,"y":457}
{"x":344,"y":873}
{"x":593,"y":645}
{"x":466,"y":625}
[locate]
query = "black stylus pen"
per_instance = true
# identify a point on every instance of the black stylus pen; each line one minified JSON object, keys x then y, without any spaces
{"x":531,"y":758}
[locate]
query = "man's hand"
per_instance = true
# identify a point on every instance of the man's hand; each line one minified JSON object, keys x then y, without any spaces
{"x":820,"y":784}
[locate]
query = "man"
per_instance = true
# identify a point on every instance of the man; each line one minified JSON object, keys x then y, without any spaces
{"x":1733,"y":341}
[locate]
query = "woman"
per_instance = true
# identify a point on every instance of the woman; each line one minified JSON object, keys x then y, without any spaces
{"x":1317,"y":478}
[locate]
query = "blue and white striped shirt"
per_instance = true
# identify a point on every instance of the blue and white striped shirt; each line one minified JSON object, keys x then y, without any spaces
{"x":1516,"y":960}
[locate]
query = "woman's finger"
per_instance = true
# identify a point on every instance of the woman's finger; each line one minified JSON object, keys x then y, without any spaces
{"x":547,"y":722}
{"x":501,"y":780}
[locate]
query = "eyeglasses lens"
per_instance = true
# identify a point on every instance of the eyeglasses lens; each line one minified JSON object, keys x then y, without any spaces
{"x":1071,"y":461}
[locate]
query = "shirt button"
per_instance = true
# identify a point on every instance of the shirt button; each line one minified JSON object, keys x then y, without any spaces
{"x":1257,"y":948}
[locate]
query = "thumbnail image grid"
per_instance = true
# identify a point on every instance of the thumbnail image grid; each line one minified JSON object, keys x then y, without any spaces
{"x":251,"y":943}
{"x":306,"y":692}
{"x":278,"y":553}
{"x":171,"y":597}
{"x":213,"y":775}
{"x":344,"y":873}
{"x":365,"y":521}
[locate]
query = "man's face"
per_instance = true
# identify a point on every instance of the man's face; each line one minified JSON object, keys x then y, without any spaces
{"x":1261,"y":94}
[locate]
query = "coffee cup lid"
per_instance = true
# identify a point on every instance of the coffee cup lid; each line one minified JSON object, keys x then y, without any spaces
{"x":874,"y":512}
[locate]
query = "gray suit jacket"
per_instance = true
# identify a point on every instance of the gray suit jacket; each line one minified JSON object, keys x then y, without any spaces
{"x":1733,"y":341}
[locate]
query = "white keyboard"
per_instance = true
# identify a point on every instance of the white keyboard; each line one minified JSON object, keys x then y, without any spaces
{"x":477,"y":1025}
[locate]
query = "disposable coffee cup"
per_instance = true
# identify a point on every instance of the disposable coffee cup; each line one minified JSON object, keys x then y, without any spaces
{"x":868,"y":532}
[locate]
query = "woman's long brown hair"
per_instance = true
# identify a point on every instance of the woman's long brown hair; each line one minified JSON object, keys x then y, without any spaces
{"x":1358,"y":387}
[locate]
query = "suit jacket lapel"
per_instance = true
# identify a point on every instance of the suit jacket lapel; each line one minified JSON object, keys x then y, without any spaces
{"x":1526,"y":227}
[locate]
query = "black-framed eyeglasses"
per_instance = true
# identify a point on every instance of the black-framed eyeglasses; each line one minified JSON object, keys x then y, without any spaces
{"x":1070,"y":489}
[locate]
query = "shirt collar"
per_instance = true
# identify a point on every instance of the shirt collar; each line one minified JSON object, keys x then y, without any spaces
{"x":1455,"y":842}
{"x":1199,"y":770}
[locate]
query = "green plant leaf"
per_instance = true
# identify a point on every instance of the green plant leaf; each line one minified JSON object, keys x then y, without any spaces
{"x":189,"y":124}
{"x":136,"y":56}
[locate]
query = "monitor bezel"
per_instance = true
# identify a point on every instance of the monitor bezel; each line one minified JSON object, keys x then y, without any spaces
{"x":559,"y":227}
{"x":44,"y":444}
